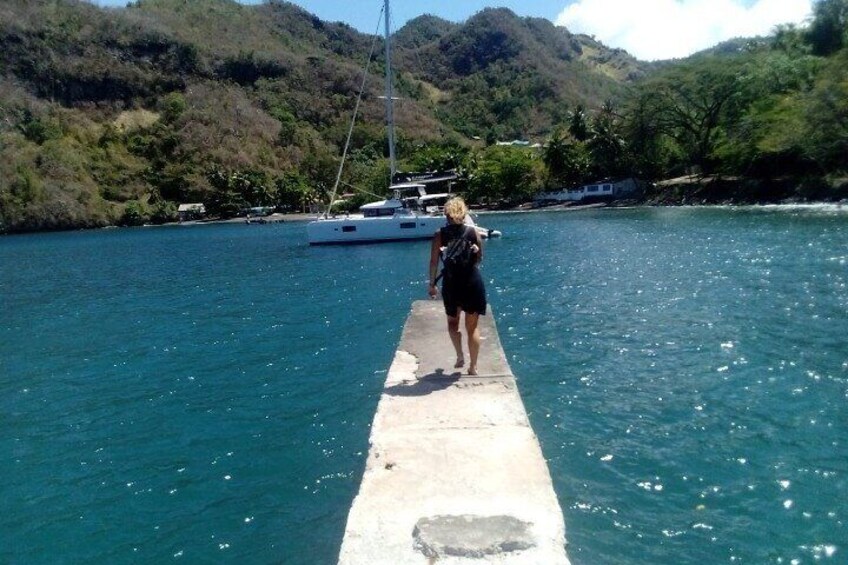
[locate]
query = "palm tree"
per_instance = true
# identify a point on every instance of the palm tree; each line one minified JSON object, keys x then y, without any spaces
{"x":578,"y":123}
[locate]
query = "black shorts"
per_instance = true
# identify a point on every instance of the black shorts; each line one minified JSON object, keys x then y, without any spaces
{"x":467,"y":294}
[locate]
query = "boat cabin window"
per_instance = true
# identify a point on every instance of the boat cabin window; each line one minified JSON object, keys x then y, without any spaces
{"x":407,"y":225}
{"x":377,"y":212}
{"x":348,"y":228}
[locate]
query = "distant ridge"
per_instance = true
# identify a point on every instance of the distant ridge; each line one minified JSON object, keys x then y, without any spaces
{"x":422,"y":30}
{"x":545,"y":68}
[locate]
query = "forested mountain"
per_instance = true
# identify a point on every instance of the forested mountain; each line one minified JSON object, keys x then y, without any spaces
{"x":117,"y":115}
{"x":508,"y":77}
{"x":113,"y":115}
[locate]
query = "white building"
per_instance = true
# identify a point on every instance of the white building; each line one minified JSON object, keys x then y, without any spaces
{"x":191,"y":211}
{"x":608,"y":190}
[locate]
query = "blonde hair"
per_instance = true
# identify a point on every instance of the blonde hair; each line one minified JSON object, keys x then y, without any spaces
{"x":456,"y":210}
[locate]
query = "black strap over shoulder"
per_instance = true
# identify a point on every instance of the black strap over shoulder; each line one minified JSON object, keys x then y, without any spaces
{"x":450,"y":233}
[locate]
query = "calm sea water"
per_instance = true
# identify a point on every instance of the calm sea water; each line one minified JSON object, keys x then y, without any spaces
{"x":204,"y":394}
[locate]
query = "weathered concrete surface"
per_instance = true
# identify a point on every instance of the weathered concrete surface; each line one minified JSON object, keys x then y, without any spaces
{"x":454,"y":474}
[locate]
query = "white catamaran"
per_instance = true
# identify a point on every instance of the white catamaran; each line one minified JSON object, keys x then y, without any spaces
{"x":410,"y":213}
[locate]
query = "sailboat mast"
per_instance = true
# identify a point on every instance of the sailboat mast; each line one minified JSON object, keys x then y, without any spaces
{"x":390,"y":114}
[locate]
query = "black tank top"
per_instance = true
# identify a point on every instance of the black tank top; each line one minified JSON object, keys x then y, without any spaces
{"x":454,"y":231}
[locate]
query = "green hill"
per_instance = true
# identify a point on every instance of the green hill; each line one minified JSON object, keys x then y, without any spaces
{"x":504,"y":77}
{"x":114,"y":116}
{"x":422,"y":30}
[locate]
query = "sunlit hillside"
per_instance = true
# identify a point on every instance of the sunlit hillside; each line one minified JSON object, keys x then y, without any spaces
{"x":115,"y":116}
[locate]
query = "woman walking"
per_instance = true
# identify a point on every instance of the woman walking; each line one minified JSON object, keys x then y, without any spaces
{"x":462,"y":285}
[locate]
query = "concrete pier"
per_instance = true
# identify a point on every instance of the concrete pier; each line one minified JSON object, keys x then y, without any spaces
{"x":454,"y":473}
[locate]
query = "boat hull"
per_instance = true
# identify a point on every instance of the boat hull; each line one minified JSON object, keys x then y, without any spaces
{"x":331,"y":231}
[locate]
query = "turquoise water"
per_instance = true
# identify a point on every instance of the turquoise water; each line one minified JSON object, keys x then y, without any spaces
{"x":204,"y":393}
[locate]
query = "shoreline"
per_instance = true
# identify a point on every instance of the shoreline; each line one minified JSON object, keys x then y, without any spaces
{"x":279,"y":218}
{"x":840,"y":206}
{"x":630,"y":205}
{"x":275,"y":218}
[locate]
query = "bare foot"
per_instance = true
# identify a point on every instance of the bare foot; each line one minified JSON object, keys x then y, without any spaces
{"x":472,"y":370}
{"x":460,"y":361}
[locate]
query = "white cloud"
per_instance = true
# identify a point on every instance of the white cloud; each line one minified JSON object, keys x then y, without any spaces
{"x":665,"y":29}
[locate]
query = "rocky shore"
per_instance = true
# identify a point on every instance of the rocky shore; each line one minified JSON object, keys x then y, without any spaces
{"x":706,"y":190}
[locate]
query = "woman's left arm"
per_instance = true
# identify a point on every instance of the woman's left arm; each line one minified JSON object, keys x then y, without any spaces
{"x":479,"y":247}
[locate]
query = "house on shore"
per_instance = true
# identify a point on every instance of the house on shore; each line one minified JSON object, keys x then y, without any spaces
{"x":605,"y":190}
{"x":191,"y":211}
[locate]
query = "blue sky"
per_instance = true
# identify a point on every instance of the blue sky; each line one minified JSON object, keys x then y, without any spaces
{"x":648,"y":29}
{"x":358,"y":14}
{"x":362,"y":14}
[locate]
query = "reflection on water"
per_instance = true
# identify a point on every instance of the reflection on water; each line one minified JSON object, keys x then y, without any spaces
{"x":687,"y":371}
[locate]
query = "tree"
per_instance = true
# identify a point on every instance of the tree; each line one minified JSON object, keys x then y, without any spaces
{"x":790,"y":39}
{"x":172,"y":107}
{"x":607,"y":148}
{"x":38,"y":129}
{"x":578,"y":123}
{"x":164,"y":211}
{"x":762,"y":126}
{"x":510,"y":174}
{"x":688,"y":104}
{"x":134,"y":214}
{"x":238,"y":190}
{"x":438,"y":157}
{"x":827,"y":31}
{"x":293,"y":191}
{"x":567,"y":160}
{"x":650,"y":151}
{"x":254,"y":187}
{"x":826,"y":115}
